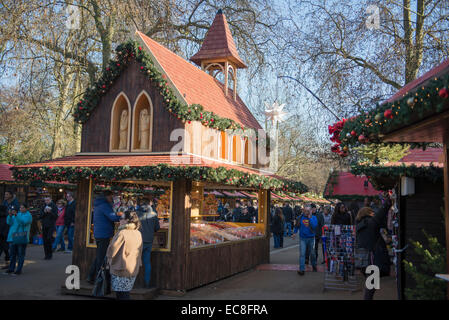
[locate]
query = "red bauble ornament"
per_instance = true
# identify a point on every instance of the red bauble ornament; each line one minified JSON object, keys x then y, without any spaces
{"x":103,"y":86}
{"x":353,"y":133}
{"x":443,"y":93}
{"x":367,"y":121}
{"x":140,"y":48}
{"x":362,"y":138}
{"x":118,"y":64}
{"x":388,"y":114}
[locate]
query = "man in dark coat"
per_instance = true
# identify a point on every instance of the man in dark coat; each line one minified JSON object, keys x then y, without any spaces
{"x":104,"y":218}
{"x":10,"y":200}
{"x":48,"y":216}
{"x":149,"y":225}
{"x":237,"y":212}
{"x":287,"y":211}
{"x":4,"y":229}
{"x":69,"y":219}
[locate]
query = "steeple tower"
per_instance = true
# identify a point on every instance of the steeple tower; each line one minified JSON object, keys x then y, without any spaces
{"x":218,"y":53}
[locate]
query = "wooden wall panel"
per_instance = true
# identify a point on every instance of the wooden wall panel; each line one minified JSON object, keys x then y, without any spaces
{"x":421,"y":211}
{"x":82,"y":256}
{"x":96,"y":131}
{"x":211,"y":264}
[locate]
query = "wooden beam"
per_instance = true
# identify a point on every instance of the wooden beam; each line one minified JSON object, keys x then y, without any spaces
{"x":446,"y":203}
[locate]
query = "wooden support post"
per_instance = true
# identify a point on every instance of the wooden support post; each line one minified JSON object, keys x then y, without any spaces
{"x":446,"y":204}
{"x":226,"y":69}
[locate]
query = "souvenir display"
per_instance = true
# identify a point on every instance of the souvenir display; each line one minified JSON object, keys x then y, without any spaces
{"x":210,"y":204}
{"x":339,"y":246}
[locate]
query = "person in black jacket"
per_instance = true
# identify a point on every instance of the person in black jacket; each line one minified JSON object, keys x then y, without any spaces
{"x":277,"y":228}
{"x":149,"y":225}
{"x":237,"y":212}
{"x":48,"y":216}
{"x":69,"y":219}
{"x":368,"y":225}
{"x":341,"y":216}
{"x":287,"y":211}
{"x":4,"y":229}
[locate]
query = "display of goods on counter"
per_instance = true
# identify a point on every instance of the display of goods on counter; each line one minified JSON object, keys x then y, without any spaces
{"x":164,"y":224}
{"x":212,"y":233}
{"x":163,"y":204}
{"x":210,"y":205}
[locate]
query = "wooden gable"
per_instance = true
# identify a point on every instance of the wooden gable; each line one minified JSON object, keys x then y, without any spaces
{"x":131,"y":84}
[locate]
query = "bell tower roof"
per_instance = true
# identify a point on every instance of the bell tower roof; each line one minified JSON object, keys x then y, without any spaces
{"x":218,"y":44}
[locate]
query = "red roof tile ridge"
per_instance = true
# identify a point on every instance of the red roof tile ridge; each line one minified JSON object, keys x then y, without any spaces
{"x":415,"y":83}
{"x":239,"y":113}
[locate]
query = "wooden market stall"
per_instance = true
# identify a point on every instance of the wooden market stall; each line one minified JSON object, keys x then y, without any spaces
{"x":418,"y":181}
{"x":417,"y":114}
{"x":157,"y":128}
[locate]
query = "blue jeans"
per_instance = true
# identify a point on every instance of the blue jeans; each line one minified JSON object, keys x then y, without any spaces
{"x":146,"y":260}
{"x":287,"y":229}
{"x":17,"y":252}
{"x":277,"y":240}
{"x":70,"y":234}
{"x":59,"y":237}
{"x":306,"y":243}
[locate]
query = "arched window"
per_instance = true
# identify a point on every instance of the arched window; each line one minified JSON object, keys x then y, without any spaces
{"x":246,"y":151}
{"x":142,"y":123}
{"x":120,"y":124}
{"x":223,"y":145}
{"x":236,"y":149}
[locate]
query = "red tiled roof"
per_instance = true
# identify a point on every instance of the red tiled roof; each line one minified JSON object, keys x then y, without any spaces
{"x":135,"y":161}
{"x":419,"y":158}
{"x":437,"y":71}
{"x":349,"y":184}
{"x":5,"y":172}
{"x":198,"y":87}
{"x":218,"y":43}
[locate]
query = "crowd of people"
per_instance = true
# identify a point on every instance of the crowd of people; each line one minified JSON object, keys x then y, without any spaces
{"x":130,"y":247}
{"x":15,"y":225}
{"x":246,"y":212}
{"x":288,"y":220}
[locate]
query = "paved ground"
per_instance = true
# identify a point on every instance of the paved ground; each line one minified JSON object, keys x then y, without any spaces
{"x":41,"y":279}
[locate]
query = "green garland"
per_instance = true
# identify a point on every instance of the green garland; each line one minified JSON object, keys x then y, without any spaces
{"x":383,"y":178}
{"x":369,"y":127}
{"x":159,"y":172}
{"x":128,"y":52}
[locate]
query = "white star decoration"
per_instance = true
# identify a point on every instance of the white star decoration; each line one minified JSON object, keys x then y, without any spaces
{"x":275,"y":112}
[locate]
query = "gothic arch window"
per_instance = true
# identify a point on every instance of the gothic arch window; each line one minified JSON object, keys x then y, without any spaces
{"x":142,"y":132}
{"x":236,"y":149}
{"x":120,"y":124}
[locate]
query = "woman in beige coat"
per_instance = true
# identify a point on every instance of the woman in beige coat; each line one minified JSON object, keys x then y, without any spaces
{"x":125,"y":255}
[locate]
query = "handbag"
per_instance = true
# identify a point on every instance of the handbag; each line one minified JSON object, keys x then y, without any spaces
{"x":102,"y":285}
{"x":20,"y":237}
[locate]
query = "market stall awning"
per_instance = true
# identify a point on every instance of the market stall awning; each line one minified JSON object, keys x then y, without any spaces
{"x":249,"y":194}
{"x":5,"y":172}
{"x":234,"y":194}
{"x":347,"y":186}
{"x":214,"y":192}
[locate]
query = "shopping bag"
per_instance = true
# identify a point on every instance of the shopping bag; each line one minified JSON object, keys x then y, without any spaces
{"x":20,"y":236}
{"x":102,"y":285}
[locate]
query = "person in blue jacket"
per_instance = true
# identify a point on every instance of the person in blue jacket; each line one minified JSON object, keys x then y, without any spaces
{"x":307,"y":226}
{"x":103,"y":220}
{"x":18,"y":222}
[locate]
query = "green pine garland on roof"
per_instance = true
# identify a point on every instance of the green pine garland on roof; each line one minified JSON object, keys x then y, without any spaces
{"x":159,"y":172}
{"x":428,"y":100}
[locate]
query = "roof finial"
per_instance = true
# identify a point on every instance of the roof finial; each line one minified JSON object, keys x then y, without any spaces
{"x":220,"y":11}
